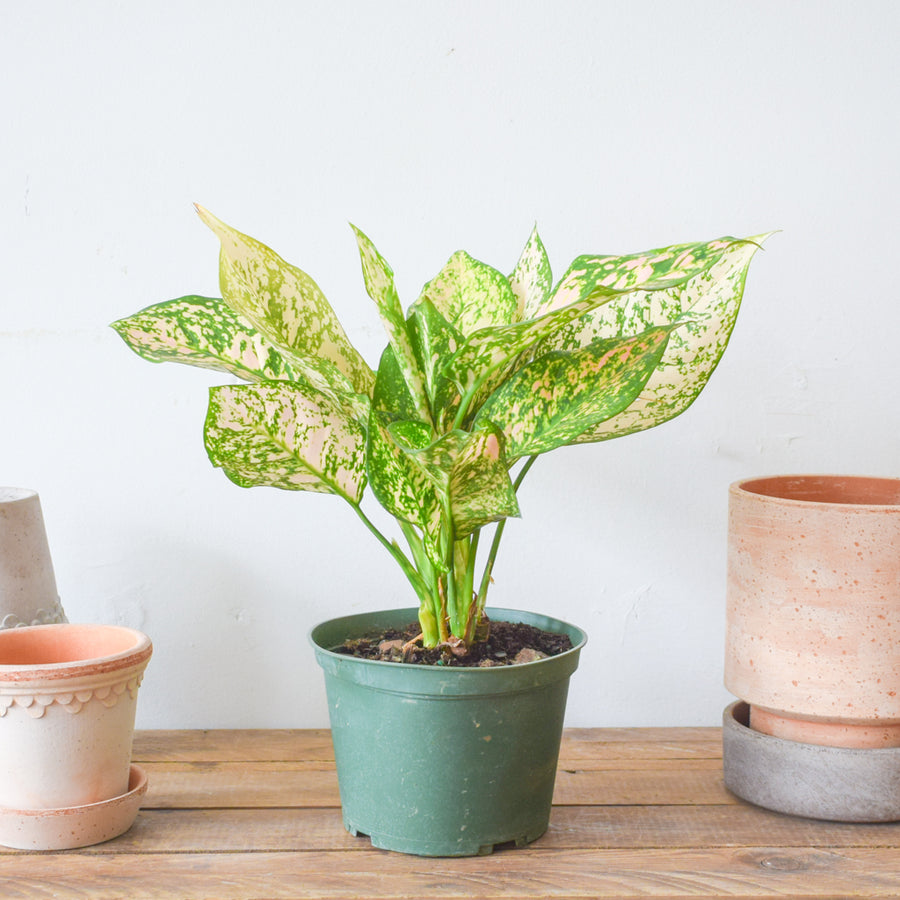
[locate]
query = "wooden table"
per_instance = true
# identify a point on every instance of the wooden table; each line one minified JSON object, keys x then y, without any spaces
{"x":639,"y":812}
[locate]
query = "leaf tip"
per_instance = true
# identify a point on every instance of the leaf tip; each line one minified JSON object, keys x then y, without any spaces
{"x":209,"y":219}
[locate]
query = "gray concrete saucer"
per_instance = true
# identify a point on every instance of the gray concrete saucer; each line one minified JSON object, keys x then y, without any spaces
{"x":834,"y":783}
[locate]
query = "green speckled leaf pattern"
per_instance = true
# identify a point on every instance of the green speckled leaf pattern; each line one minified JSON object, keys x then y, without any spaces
{"x":398,"y":480}
{"x":379,"y":281}
{"x":435,"y":341}
{"x":705,"y":308}
{"x":532,"y":278}
{"x":489,"y":357}
{"x":204,"y":332}
{"x":471,"y":295}
{"x":283,"y":303}
{"x":402,"y":486}
{"x":287,"y":436}
{"x":551,"y":401}
{"x":480,"y":488}
{"x":650,"y":270}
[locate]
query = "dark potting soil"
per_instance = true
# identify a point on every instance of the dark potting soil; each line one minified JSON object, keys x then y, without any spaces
{"x":507,"y":644}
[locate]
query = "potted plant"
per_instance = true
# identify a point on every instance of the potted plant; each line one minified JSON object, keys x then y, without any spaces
{"x":813,"y":622}
{"x":68,"y":696}
{"x":482,"y":374}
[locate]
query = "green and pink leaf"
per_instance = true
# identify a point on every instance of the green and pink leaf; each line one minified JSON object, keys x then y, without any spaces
{"x":532,"y":278}
{"x":288,"y":436}
{"x":283,"y":303}
{"x":557,"y":397}
{"x":379,"y":281}
{"x":471,"y":295}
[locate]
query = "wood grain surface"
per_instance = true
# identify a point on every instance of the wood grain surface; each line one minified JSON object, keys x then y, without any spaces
{"x":638,"y":812}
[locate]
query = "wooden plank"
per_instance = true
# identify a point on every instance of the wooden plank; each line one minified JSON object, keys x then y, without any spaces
{"x":690,"y":734}
{"x":247,"y":785}
{"x":571,"y":828}
{"x":314,"y":784}
{"x":772,"y":872}
{"x":234,"y":745}
{"x":733,"y":825}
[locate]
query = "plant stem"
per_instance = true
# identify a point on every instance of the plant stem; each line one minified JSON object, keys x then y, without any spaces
{"x":408,"y":568}
{"x":495,"y":544}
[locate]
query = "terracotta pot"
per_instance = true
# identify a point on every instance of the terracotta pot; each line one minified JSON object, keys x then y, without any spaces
{"x":27,"y":583}
{"x":813,"y":607}
{"x":67,"y":706}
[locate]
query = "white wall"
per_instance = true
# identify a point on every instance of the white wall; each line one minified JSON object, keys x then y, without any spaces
{"x":434,"y":126}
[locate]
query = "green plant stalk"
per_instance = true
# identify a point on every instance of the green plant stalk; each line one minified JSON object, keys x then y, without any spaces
{"x":481,"y":599}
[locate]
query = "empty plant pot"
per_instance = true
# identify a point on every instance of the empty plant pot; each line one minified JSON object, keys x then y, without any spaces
{"x":813,"y":608}
{"x":68,"y":695}
{"x":27,"y":584}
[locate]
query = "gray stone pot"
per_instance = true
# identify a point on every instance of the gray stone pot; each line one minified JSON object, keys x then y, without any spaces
{"x":835,"y":783}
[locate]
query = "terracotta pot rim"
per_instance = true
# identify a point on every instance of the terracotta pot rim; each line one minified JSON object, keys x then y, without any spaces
{"x":134,"y":655}
{"x":844,"y":492}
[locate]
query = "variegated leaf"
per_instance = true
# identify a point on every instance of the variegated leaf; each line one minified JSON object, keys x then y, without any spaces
{"x":551,"y":401}
{"x":480,"y":488}
{"x":650,"y":270}
{"x":204,"y":332}
{"x":435,"y":341}
{"x":471,"y":295}
{"x":471,"y":469}
{"x":391,"y":395}
{"x":402,"y":486}
{"x":488,"y":357}
{"x":398,"y":480}
{"x":287,"y":436}
{"x":283,"y":303}
{"x":379,"y":281}
{"x":411,"y":435}
{"x":705,"y":309}
{"x":532,"y":278}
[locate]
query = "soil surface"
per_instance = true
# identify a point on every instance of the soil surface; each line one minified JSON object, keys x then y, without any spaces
{"x":507,"y":644}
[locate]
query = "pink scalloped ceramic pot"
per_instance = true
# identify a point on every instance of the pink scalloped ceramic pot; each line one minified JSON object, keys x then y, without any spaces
{"x":68,"y":696}
{"x":813,"y":607}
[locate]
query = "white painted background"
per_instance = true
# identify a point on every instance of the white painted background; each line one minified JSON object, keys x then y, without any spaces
{"x":434,"y":126}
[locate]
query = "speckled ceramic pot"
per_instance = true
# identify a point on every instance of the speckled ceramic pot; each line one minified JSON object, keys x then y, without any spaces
{"x":68,"y":695}
{"x":813,"y":607}
{"x":27,"y":582}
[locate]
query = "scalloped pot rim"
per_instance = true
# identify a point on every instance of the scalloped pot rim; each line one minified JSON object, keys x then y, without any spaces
{"x":66,"y":651}
{"x":844,"y":491}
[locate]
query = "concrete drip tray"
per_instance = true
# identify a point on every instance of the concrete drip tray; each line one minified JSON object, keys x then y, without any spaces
{"x":833,"y":783}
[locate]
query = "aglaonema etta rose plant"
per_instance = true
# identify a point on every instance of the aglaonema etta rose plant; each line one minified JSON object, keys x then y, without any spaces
{"x":482,"y":374}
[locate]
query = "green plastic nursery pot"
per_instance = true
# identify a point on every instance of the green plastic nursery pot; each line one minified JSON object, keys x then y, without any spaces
{"x":444,"y":761}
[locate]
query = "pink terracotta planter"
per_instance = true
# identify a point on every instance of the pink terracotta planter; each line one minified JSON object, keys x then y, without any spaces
{"x":813,"y":607}
{"x":68,"y":696}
